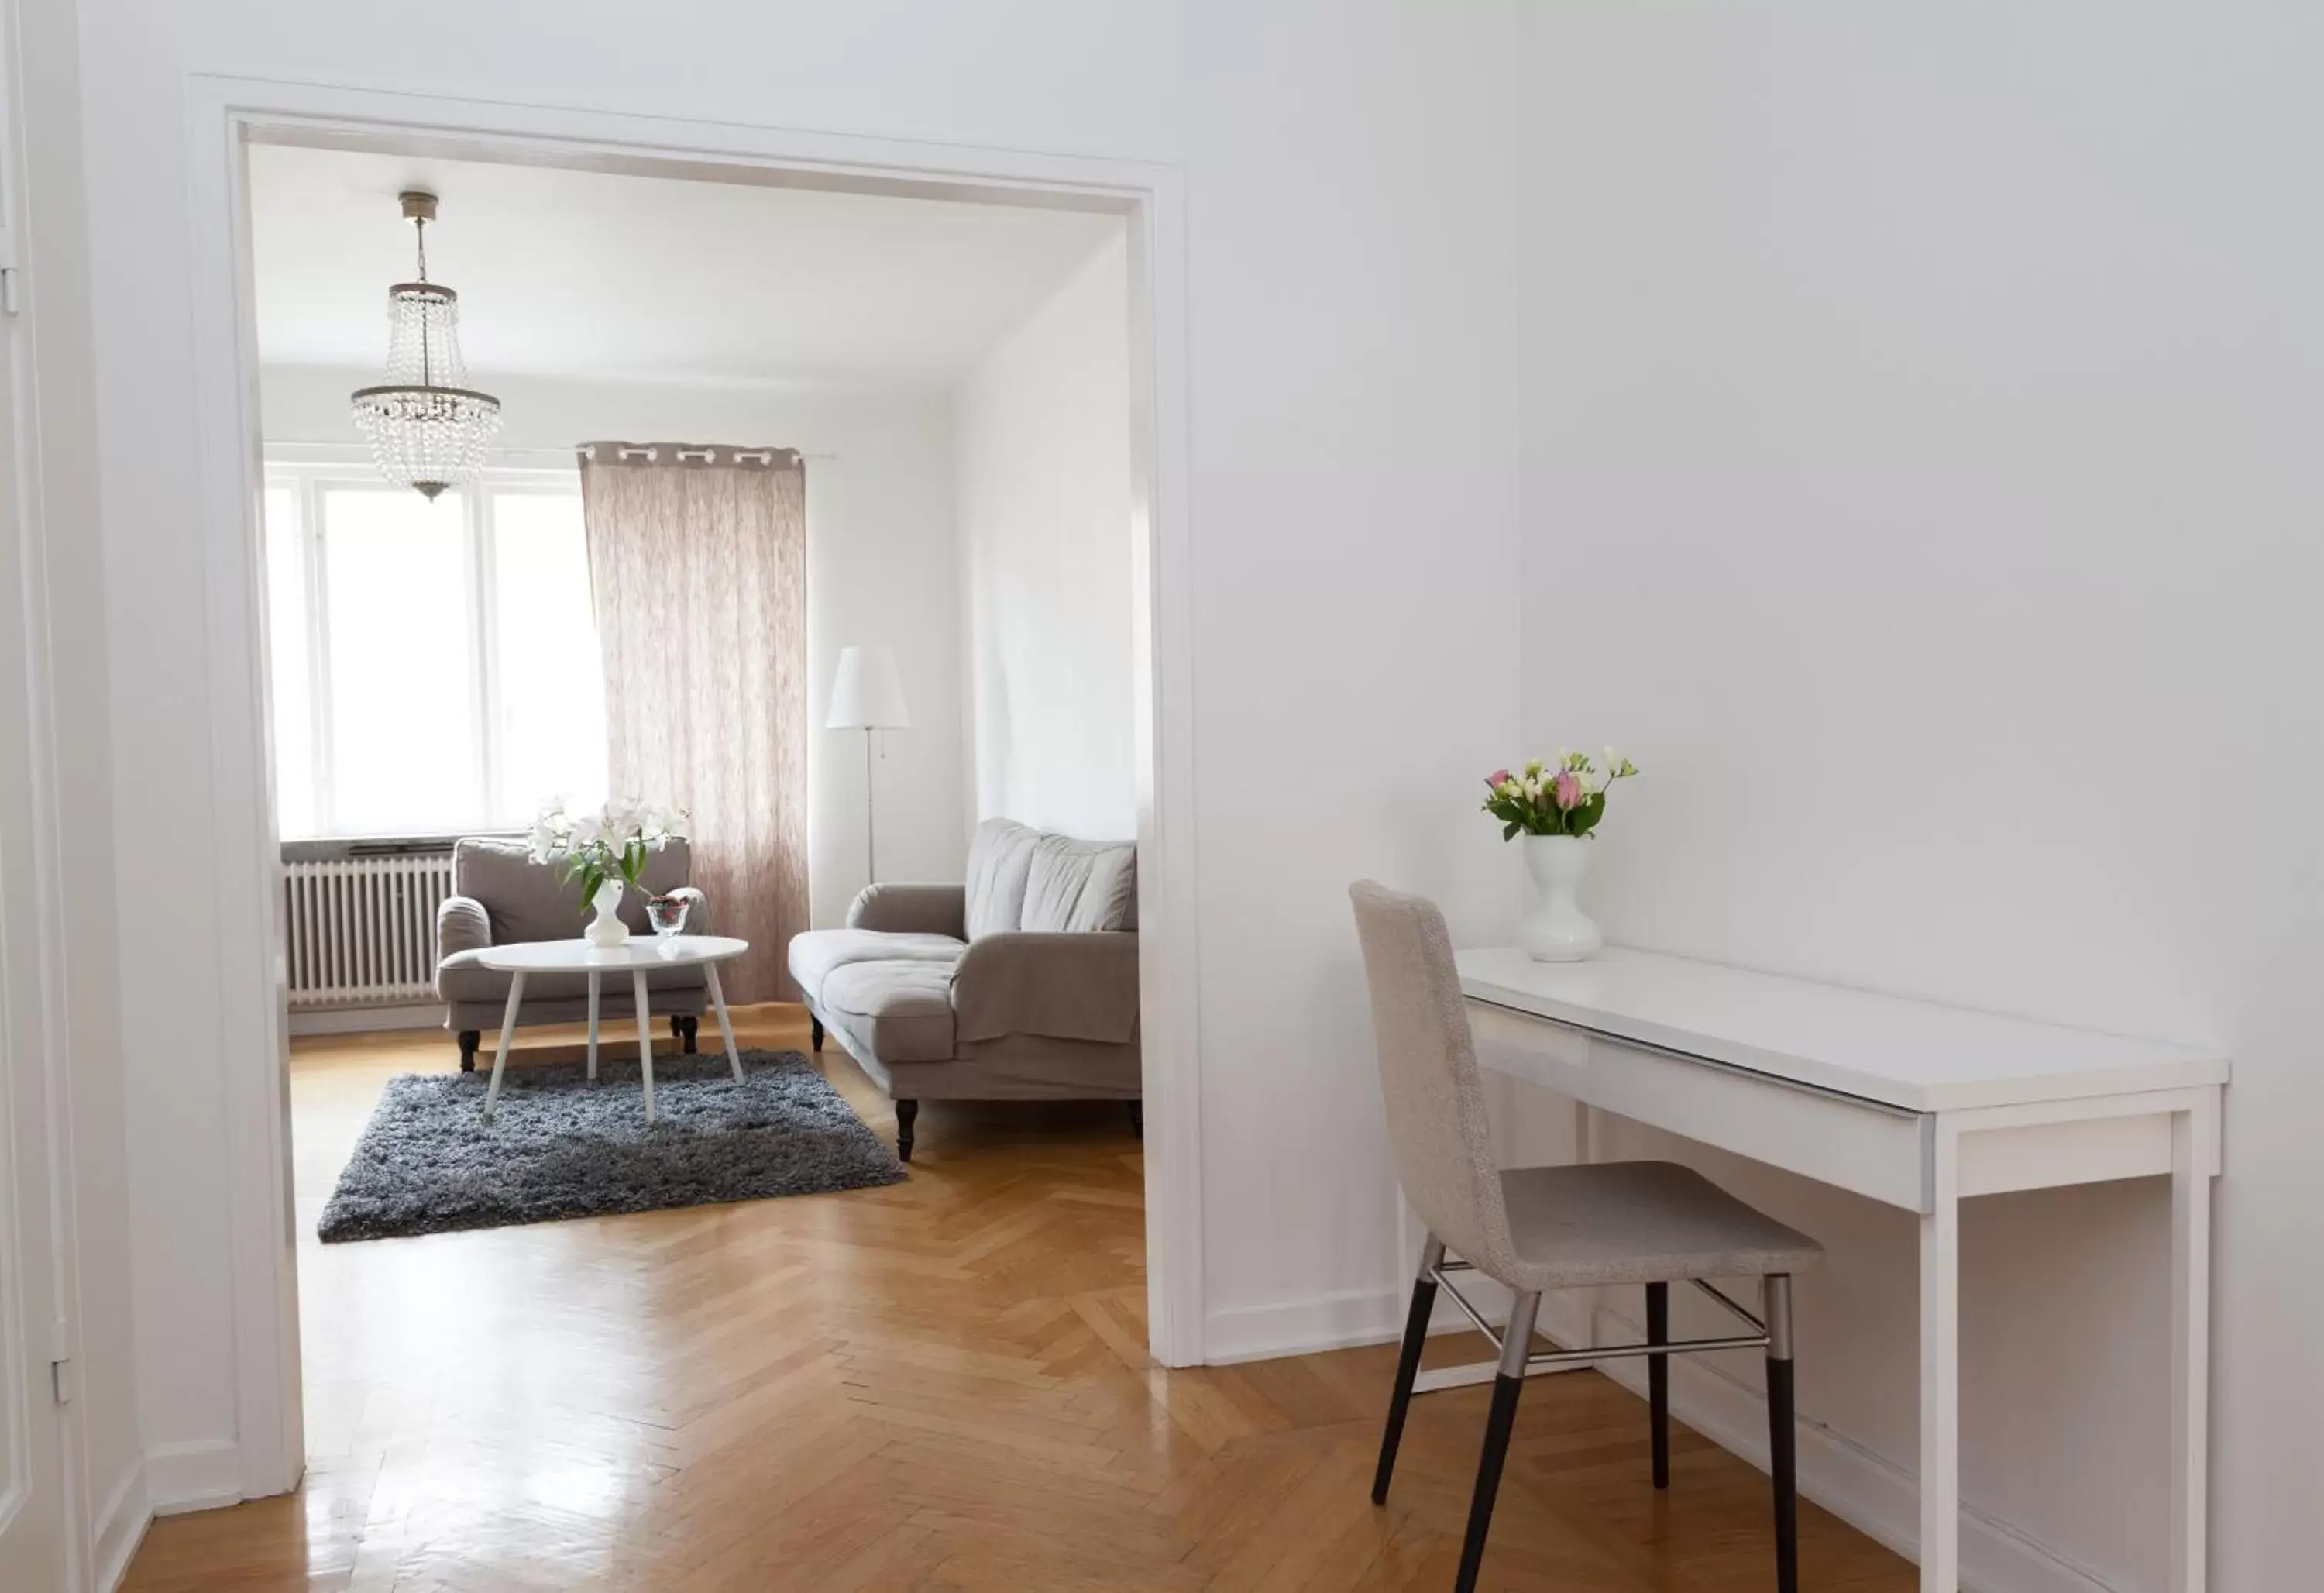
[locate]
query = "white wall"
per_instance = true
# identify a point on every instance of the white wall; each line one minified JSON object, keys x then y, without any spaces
{"x":1919,"y":483}
{"x":1042,"y":431}
{"x":1351,"y":426}
{"x":882,"y":562}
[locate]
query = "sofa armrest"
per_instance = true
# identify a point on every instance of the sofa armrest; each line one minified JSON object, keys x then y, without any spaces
{"x":1066,"y":987}
{"x":911,"y":909}
{"x":462,"y":924}
{"x":698,"y":914}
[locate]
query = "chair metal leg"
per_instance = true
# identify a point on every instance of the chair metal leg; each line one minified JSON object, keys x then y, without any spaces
{"x":1508,"y":1382}
{"x":1783,"y":1434}
{"x":1407,"y":1364}
{"x":1658,"y":1378}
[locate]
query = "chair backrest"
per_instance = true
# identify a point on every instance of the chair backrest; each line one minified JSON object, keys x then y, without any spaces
{"x":527,"y":901}
{"x":1436,"y":1118}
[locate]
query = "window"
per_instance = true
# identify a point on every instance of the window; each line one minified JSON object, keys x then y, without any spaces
{"x":434,"y":665}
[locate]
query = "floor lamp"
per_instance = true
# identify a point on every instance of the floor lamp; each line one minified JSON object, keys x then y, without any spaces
{"x":868,"y":695}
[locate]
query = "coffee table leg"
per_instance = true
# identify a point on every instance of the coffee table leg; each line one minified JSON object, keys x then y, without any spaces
{"x":508,"y":1029}
{"x":725,"y":1023}
{"x":595,"y":979}
{"x":645,"y":1037}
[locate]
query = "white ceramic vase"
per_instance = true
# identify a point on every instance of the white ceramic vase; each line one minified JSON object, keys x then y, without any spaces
{"x":1557,"y":930}
{"x":606,"y":930}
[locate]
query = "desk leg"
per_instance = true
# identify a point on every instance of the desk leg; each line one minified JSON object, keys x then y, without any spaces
{"x":595,"y":989}
{"x":2191,"y":1351}
{"x":645,"y":1037}
{"x":1941,"y":1379}
{"x":508,"y":1031}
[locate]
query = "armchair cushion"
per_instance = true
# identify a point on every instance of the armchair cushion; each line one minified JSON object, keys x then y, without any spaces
{"x":911,"y":909}
{"x":1064,"y":986}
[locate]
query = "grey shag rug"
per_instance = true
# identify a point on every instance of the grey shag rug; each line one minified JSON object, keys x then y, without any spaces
{"x":559,"y":1146}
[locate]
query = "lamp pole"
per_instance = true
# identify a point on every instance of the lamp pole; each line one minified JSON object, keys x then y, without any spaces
{"x":870,"y":814}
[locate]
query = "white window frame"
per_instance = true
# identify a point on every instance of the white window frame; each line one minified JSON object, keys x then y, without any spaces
{"x":309,"y":472}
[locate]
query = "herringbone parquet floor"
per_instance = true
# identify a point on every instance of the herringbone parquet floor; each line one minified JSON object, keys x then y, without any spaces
{"x":941,"y":1384}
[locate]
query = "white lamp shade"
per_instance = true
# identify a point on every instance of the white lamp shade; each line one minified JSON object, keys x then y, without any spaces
{"x":867,"y":694}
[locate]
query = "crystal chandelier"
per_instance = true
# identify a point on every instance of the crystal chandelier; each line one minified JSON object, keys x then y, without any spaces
{"x":426,"y":428}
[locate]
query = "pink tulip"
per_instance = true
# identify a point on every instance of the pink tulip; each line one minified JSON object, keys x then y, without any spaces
{"x":1569,"y":788}
{"x":1498,"y":778}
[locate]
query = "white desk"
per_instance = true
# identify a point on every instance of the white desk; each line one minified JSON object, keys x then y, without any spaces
{"x":1914,"y":1104}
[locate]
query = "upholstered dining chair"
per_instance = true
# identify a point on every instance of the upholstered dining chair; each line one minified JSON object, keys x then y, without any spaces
{"x":1534,"y":1229}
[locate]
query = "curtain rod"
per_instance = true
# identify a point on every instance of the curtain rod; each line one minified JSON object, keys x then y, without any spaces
{"x":561,"y":453}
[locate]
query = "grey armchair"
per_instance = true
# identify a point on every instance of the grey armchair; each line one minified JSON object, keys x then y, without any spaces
{"x":502,"y":897}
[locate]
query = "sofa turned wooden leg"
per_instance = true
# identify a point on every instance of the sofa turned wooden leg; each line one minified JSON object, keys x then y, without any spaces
{"x":686,"y":1028}
{"x":906,"y":1111}
{"x":469,"y":1040}
{"x":1138,"y":1119}
{"x":814,"y":1032}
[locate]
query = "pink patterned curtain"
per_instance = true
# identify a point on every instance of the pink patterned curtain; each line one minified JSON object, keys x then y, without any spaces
{"x":699,"y":557}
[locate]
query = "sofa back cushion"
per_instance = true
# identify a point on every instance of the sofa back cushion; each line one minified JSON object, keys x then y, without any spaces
{"x":527,"y":901}
{"x":1081,"y":887}
{"x":1000,"y":861}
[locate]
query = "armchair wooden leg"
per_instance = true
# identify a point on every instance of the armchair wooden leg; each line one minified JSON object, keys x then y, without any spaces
{"x":814,"y":1032}
{"x":1138,"y":1119}
{"x":685,"y":1028}
{"x":905,"y":1112}
{"x":469,"y":1040}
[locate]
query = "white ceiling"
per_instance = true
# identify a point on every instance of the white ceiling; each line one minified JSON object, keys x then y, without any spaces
{"x":585,"y":274}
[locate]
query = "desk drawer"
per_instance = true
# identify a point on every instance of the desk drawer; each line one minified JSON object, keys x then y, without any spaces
{"x":1871,"y":1149}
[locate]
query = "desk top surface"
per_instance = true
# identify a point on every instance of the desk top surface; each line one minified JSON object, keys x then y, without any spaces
{"x":1919,"y":1055}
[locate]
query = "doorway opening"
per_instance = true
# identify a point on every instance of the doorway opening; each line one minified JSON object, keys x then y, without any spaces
{"x":910,"y":546}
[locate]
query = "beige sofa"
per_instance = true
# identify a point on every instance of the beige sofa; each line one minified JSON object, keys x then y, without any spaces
{"x":502,"y":897}
{"x":1021,"y":983}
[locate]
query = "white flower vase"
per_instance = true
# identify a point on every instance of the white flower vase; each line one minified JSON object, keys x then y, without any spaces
{"x":606,"y":930}
{"x":1557,"y":930}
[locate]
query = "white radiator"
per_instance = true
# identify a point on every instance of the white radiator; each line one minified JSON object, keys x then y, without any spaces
{"x":362,"y":930}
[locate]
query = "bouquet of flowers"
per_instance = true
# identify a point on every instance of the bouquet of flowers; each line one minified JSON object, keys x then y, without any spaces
{"x":1565,"y":798}
{"x":597,"y":846}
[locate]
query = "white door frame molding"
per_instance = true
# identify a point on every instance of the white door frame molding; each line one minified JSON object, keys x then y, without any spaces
{"x":224,"y":114}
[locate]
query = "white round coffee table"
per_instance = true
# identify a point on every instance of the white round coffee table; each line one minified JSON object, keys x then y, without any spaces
{"x":638,"y":956}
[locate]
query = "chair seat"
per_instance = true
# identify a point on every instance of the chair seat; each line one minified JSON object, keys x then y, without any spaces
{"x":1639,"y":1222}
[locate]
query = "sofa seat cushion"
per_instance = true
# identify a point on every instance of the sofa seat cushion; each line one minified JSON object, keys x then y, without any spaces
{"x":1081,"y":887}
{"x":817,"y":953}
{"x":901,"y":1010}
{"x":460,"y":977}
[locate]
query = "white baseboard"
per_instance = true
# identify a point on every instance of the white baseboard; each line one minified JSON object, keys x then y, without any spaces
{"x":199,"y":1476}
{"x":1299,"y":1327}
{"x":120,"y":1526}
{"x":1869,"y":1492}
{"x":364,"y":1020}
